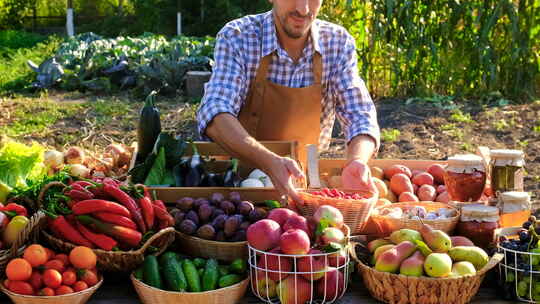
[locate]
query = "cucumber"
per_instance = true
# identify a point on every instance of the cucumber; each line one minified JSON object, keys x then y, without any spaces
{"x":192,"y":276}
{"x":199,"y":263}
{"x":200,"y":271}
{"x":238,"y":266}
{"x":151,"y":274}
{"x":229,"y":280}
{"x":223,"y":270}
{"x":172,"y":272}
{"x":139,"y":273}
{"x":210,"y":276}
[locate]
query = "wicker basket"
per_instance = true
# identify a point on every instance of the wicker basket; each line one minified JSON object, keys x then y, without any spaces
{"x":385,"y":225}
{"x":197,"y":247}
{"x":396,"y":288}
{"x":72,"y":298}
{"x":229,"y":295}
{"x":355,"y":212}
{"x":29,"y":234}
{"x":119,"y":261}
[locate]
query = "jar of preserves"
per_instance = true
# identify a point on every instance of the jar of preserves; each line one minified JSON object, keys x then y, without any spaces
{"x":478,"y":223}
{"x":515,"y":208}
{"x":465,"y":177}
{"x":507,"y":170}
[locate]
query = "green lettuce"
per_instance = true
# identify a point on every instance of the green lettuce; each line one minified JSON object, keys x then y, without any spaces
{"x":20,"y":163}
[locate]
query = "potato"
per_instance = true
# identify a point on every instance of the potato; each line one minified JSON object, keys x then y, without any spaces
{"x":407,"y":197}
{"x":423,"y":178}
{"x":206,"y":232}
{"x":426,"y":193}
{"x":443,"y":197}
{"x":377,"y":172}
{"x":401,"y":183}
{"x":395,"y":169}
{"x":437,"y":171}
{"x":381,"y":187}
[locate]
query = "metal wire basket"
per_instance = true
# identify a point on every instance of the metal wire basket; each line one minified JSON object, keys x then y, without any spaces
{"x":519,"y":271}
{"x":310,"y":278}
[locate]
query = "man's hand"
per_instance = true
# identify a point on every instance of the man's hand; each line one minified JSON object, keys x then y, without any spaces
{"x":356,"y":175}
{"x":281,"y":171}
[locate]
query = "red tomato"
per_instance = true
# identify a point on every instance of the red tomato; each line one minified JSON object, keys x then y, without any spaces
{"x":52,"y":278}
{"x":80,"y":286}
{"x":47,"y":291}
{"x":69,"y":277}
{"x":62,"y":290}
{"x":35,"y":280}
{"x":21,"y":287}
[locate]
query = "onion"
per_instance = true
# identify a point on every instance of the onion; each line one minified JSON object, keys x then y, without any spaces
{"x":53,"y":159}
{"x":120,"y":154}
{"x":251,"y":182}
{"x":74,"y":155}
{"x":257,"y":174}
{"x":79,"y":170}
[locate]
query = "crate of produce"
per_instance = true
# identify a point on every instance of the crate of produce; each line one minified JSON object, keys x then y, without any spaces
{"x":109,"y":216}
{"x":214,"y":225}
{"x":66,"y":278}
{"x":172,"y":278}
{"x":425,"y":266}
{"x":293,"y":259}
{"x":389,"y":218}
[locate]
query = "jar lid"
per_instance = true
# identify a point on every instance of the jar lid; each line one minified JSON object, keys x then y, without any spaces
{"x":479,"y":212}
{"x":505,"y":157}
{"x":465,"y":163}
{"x":515,"y":197}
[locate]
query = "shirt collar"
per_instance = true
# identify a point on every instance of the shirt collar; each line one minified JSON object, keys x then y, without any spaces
{"x":269,"y":35}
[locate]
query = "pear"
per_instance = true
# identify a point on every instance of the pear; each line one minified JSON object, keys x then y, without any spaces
{"x":436,"y":239}
{"x":390,"y":260}
{"x":462,"y":268}
{"x":438,"y":265}
{"x":373,"y":245}
{"x":379,"y":251}
{"x":413,"y":265}
{"x":476,"y":255}
{"x":401,"y":235}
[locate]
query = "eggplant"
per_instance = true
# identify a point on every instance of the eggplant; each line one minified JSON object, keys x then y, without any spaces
{"x":195,"y":169}
{"x":180,"y":171}
{"x":231,"y":177}
{"x":212,"y":180}
{"x":149,"y":127}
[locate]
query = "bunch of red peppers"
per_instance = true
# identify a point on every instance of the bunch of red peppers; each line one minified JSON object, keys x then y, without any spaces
{"x":108,"y":215}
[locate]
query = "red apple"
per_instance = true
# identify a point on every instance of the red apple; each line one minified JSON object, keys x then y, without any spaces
{"x":294,"y":290}
{"x":294,"y":241}
{"x":314,"y":265}
{"x":262,"y":285}
{"x":281,"y":215}
{"x":272,"y":262}
{"x":330,"y":214}
{"x":264,"y":234}
{"x":332,"y":285}
{"x":296,"y":222}
{"x":338,"y":258}
{"x":332,"y":235}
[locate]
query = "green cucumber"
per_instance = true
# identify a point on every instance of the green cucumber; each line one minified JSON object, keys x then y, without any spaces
{"x":210,"y":276}
{"x":151,"y":274}
{"x":223,"y":270}
{"x":172,"y":272}
{"x":238,"y":266}
{"x":192,"y":276}
{"x":200,"y":271}
{"x":229,"y":280}
{"x":139,"y":273}
{"x":199,"y":263}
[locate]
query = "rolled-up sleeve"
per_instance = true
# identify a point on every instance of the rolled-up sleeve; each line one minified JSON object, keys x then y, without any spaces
{"x":228,"y":81}
{"x":354,"y":107}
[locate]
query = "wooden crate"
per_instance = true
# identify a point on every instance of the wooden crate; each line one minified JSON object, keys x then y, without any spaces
{"x":256,"y":195}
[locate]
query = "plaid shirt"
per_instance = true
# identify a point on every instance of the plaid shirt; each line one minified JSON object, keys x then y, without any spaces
{"x":242,"y":43}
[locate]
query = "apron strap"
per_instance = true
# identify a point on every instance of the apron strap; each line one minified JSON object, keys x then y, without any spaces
{"x":317,"y":68}
{"x":262,"y":71}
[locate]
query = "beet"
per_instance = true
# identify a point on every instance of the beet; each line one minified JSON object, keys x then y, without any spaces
{"x":205,"y":211}
{"x":187,"y":227}
{"x":244,"y":207}
{"x":228,"y":207}
{"x":219,"y":221}
{"x":206,"y":232}
{"x":192,"y":216}
{"x":185,"y":204}
{"x":235,"y":197}
{"x":257,"y":214}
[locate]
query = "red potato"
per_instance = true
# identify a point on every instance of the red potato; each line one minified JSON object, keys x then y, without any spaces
{"x":401,"y":183}
{"x":416,"y":172}
{"x":395,"y":169}
{"x":441,"y":189}
{"x":415,"y":188}
{"x":443,"y":197}
{"x":423,"y":178}
{"x":426,"y":193}
{"x":407,"y":197}
{"x":437,"y":171}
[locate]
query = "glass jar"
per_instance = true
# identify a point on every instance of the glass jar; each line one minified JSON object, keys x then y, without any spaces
{"x":478,"y":223}
{"x":507,"y":170}
{"x":515,"y":208}
{"x":465,"y":177}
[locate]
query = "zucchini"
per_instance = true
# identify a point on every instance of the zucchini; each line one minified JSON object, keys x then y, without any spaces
{"x":210,"y":276}
{"x":149,"y":127}
{"x":199,"y":263}
{"x":172,"y":272}
{"x":192,"y":276}
{"x":139,"y":273}
{"x":229,"y":280}
{"x":151,"y":274}
{"x":238,"y":266}
{"x":223,"y":270}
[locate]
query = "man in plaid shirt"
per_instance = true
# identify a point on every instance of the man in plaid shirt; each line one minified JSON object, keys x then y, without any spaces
{"x":284,"y":75}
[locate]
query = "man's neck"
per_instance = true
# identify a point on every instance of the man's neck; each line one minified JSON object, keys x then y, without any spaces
{"x":293,"y":47}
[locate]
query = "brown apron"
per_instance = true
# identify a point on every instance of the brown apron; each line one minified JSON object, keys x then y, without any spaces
{"x":276,"y":112}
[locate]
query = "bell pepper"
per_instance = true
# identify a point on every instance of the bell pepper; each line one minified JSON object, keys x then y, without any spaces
{"x":13,"y":209}
{"x":12,"y":230}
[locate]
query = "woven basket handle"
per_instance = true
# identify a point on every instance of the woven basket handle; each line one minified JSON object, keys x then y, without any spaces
{"x":154,"y":237}
{"x":44,"y":190}
{"x":495,"y":259}
{"x":352,"y":250}
{"x":35,"y":221}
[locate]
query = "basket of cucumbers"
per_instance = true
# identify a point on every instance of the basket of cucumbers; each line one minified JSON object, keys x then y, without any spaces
{"x":172,"y":278}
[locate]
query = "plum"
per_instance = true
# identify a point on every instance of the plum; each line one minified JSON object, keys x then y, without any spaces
{"x":231,"y":225}
{"x":239,"y":236}
{"x":217,"y":212}
{"x":187,"y":227}
{"x":245,"y":225}
{"x":205,"y":211}
{"x":219,"y":221}
{"x":228,"y":207}
{"x":220,"y":236}
{"x":235,"y":197}
{"x":244,"y":207}
{"x":257,"y":214}
{"x":206,"y":232}
{"x":179,"y":216}
{"x":198,"y":202}
{"x":217,"y":198}
{"x":185,"y":204}
{"x":192,"y":216}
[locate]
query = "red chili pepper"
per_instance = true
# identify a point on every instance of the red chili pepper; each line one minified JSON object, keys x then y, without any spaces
{"x":116,"y":219}
{"x":18,"y":209}
{"x":96,"y":205}
{"x":63,"y":228}
{"x":128,"y":236}
{"x":126,"y":200}
{"x":83,"y":184}
{"x":79,"y":195}
{"x":147,"y":211}
{"x":101,"y":240}
{"x":160,"y":204}
{"x":163,"y":215}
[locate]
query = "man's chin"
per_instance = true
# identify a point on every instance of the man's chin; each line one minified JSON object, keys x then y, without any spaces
{"x":294,"y":34}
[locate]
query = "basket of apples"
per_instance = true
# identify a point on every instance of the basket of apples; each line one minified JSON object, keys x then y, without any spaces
{"x":294,"y":259}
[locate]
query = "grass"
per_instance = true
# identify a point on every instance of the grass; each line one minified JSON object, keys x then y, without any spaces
{"x":466,"y":146}
{"x":459,"y":116}
{"x":500,"y":125}
{"x":536,"y":129}
{"x":390,"y":135}
{"x":11,"y":40}
{"x":106,"y":110}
